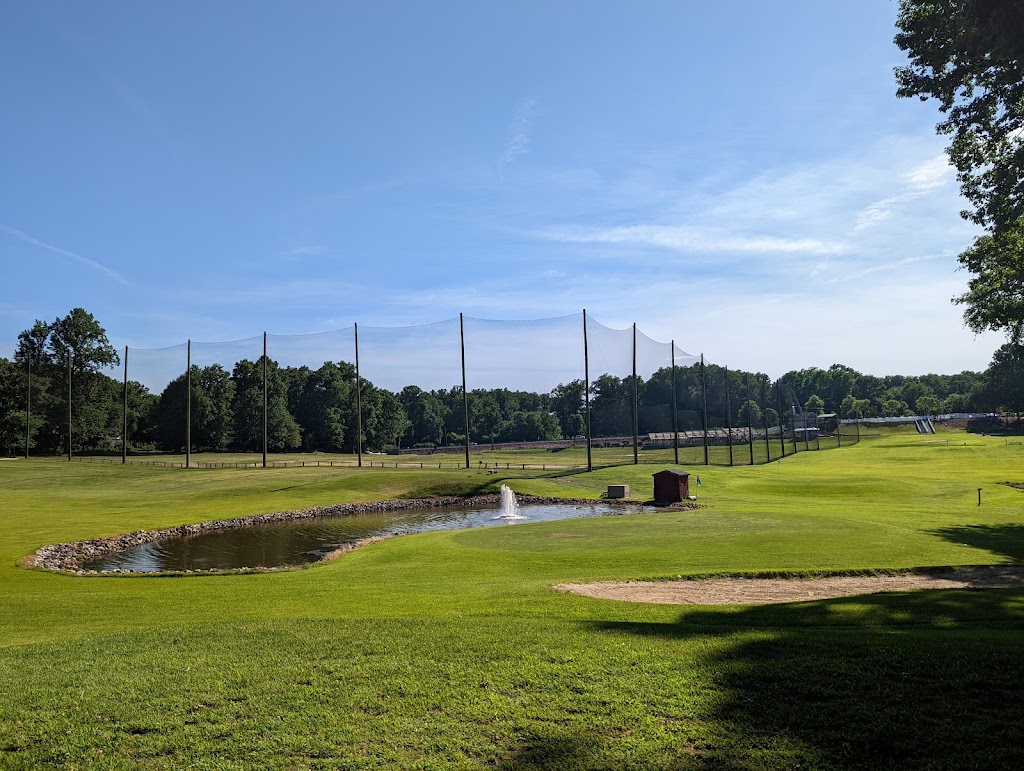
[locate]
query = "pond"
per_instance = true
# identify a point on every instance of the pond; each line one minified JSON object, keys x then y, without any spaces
{"x":302,"y":541}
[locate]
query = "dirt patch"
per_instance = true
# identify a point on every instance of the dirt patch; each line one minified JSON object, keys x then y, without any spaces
{"x":766,"y":591}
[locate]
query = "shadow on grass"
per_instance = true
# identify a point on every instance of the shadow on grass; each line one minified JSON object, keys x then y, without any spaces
{"x":538,"y":751}
{"x":1006,"y":540}
{"x":908,"y":679}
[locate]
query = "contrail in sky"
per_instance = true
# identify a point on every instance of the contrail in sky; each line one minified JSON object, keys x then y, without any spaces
{"x":15,"y":233}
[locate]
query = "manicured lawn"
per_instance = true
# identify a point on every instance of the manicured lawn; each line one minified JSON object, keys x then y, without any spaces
{"x":451,"y":649}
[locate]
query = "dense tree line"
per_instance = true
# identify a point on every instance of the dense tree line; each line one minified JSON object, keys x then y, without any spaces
{"x":316,"y":409}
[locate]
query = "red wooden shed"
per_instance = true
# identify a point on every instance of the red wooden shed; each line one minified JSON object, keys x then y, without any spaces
{"x":671,"y":486}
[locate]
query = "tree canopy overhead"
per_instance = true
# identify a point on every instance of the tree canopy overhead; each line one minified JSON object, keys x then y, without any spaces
{"x":969,"y":55}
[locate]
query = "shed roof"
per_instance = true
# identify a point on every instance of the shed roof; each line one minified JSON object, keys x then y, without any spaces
{"x":672,"y":471}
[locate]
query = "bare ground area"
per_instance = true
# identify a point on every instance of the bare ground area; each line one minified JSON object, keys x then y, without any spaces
{"x":765,"y":591}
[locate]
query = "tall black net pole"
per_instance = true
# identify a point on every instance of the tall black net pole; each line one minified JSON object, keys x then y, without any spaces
{"x":750,"y":420}
{"x":728,"y":413}
{"x":764,"y":417}
{"x":636,"y":400}
{"x":817,"y":433}
{"x":704,"y":406}
{"x":782,"y":419}
{"x":465,"y":393}
{"x":265,"y":400}
{"x":858,"y":427}
{"x":803,"y":419}
{"x":69,"y":404}
{"x":839,"y":431}
{"x":675,"y":411}
{"x":188,"y":404}
{"x":124,"y":412}
{"x":28,"y":402}
{"x":359,"y":404}
{"x":792,"y":413}
{"x":586,"y":389}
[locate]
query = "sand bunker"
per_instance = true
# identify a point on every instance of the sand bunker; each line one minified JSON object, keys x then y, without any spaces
{"x":765,"y":591}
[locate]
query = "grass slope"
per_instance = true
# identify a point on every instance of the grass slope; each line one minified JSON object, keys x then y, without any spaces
{"x":450,"y":649}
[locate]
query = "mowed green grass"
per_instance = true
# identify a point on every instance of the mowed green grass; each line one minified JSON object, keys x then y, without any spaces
{"x":451,"y":649}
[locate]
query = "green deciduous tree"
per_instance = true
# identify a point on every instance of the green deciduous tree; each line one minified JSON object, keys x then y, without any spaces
{"x":1003,"y":387}
{"x":247,"y":408}
{"x":994,"y":299}
{"x":969,"y":55}
{"x":81,"y":335}
{"x":211,"y":420}
{"x":326,"y":402}
{"x":895,"y":408}
{"x":531,"y":426}
{"x":567,"y":403}
{"x":387,"y":419}
{"x":95,"y":397}
{"x":12,"y":408}
{"x":611,"y":406}
{"x":814,"y":404}
{"x":852,"y":407}
{"x":426,"y":413}
{"x":749,"y":414}
{"x":956,"y":403}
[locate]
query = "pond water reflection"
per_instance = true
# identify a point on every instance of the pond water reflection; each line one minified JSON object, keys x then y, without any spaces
{"x":303,"y":541}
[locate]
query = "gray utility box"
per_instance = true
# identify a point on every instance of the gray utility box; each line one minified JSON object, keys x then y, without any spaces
{"x":618,"y":491}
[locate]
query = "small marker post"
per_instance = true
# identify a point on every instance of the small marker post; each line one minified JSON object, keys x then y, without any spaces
{"x":979,"y":496}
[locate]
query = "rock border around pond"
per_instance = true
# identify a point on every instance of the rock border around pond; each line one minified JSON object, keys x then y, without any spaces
{"x":69,"y":557}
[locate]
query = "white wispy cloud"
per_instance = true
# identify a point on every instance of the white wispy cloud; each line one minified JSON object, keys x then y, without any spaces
{"x":305,"y":251}
{"x":888,"y":266}
{"x":924,"y":179}
{"x":690,"y":239}
{"x":931,"y":175}
{"x":90,"y":263}
{"x":518,"y":142}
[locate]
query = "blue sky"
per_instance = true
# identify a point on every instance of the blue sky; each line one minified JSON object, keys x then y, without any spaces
{"x":736,"y":176}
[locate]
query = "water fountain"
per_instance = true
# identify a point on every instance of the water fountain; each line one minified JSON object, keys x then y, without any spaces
{"x":509,"y":505}
{"x":304,"y":540}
